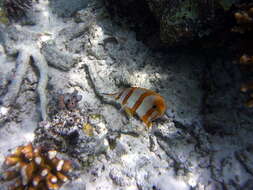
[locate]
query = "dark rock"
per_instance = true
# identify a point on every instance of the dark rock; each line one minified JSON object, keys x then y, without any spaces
{"x":56,"y":58}
{"x":175,"y":22}
{"x":245,"y":158}
{"x":2,"y":35}
{"x":223,"y":109}
{"x":16,"y":9}
{"x":248,"y":185}
{"x":66,"y":8}
{"x":136,"y":12}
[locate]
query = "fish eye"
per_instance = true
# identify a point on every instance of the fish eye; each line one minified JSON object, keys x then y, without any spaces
{"x":154,"y":106}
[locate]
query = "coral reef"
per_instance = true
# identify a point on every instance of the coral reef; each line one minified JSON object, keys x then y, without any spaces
{"x":33,"y":168}
{"x":15,"y":9}
{"x":78,"y":132}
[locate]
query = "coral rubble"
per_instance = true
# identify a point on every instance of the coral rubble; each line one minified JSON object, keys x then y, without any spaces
{"x":30,"y":167}
{"x":78,"y":132}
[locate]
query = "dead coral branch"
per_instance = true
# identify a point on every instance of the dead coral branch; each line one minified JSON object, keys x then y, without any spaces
{"x":24,"y":55}
{"x":22,"y":66}
{"x":41,"y":64}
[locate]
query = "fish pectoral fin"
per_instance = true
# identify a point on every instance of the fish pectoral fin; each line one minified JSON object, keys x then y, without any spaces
{"x":147,"y":123}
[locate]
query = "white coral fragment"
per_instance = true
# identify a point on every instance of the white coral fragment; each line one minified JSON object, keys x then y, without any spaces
{"x":22,"y":66}
{"x":23,"y":60}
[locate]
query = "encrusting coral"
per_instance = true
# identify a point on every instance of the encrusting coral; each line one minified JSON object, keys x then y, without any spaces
{"x":35,"y":168}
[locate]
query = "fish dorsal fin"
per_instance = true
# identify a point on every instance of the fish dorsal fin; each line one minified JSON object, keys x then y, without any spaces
{"x":111,"y":95}
{"x":108,"y":94}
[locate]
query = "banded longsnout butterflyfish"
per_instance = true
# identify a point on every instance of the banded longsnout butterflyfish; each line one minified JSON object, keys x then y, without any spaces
{"x":146,"y":104}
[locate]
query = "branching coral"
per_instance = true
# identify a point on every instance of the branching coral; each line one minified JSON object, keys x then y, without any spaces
{"x":35,"y":168}
{"x":16,"y":8}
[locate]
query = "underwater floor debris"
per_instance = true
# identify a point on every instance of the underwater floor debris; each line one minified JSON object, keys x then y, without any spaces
{"x":107,"y":150}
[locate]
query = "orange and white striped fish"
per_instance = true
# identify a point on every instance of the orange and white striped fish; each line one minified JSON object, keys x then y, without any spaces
{"x":146,"y":104}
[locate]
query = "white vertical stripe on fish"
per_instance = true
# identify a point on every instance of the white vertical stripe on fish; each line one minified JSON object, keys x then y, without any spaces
{"x":135,"y":96}
{"x":124,"y":94}
{"x":146,"y":104}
